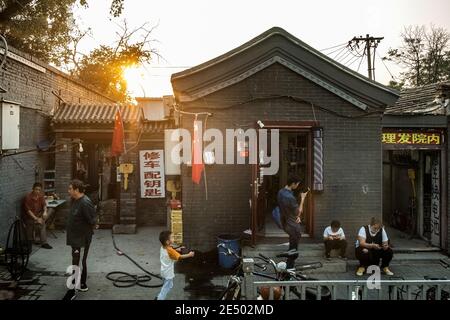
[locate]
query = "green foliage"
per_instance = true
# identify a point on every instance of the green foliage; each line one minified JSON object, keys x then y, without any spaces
{"x":43,"y":28}
{"x":47,"y":30}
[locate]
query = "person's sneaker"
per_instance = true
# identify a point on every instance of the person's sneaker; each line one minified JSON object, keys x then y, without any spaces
{"x":360,"y":271}
{"x":83,"y":288}
{"x":46,"y":246}
{"x":387,"y":271}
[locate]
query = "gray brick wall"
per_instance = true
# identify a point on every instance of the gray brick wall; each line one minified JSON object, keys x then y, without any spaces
{"x":352,"y":158}
{"x":448,"y":194}
{"x":33,"y":90}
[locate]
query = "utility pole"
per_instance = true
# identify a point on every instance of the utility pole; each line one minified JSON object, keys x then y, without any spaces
{"x":370,"y":42}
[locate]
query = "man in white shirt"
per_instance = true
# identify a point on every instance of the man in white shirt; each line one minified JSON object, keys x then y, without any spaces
{"x":372,"y":245}
{"x":334,"y":238}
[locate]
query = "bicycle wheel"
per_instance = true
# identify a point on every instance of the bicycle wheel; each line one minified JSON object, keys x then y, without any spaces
{"x":232,"y":292}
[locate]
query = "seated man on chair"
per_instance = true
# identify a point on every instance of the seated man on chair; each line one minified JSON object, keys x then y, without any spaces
{"x":35,"y":214}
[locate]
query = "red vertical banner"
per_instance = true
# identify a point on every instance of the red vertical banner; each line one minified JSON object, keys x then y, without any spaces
{"x":118,"y":147}
{"x":197,"y":147}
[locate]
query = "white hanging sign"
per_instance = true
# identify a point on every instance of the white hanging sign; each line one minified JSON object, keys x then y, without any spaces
{"x":152,"y":173}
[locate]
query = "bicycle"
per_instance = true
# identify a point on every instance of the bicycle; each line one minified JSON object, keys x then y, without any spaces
{"x":429,"y":295}
{"x":281,"y":273}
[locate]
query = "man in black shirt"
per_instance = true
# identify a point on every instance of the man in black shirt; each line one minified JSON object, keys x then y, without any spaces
{"x":80,"y":227}
{"x":291,"y":213}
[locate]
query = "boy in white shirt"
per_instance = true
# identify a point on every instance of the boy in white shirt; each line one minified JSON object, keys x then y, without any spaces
{"x":168,"y":256}
{"x":334,"y":238}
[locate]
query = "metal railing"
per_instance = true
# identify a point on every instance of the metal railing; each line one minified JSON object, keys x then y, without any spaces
{"x":367,"y":289}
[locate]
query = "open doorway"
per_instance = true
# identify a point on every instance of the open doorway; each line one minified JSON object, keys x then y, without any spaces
{"x":294,"y":156}
{"x":94,"y":165}
{"x":412,"y":197}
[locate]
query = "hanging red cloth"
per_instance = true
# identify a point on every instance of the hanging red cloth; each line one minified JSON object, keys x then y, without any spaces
{"x":118,"y":145}
{"x":197,"y":159}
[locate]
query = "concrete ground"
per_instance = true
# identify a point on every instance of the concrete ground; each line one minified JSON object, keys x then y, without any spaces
{"x":198,"y":278}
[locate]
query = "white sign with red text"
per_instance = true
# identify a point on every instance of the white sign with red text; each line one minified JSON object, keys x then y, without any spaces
{"x":152,"y":173}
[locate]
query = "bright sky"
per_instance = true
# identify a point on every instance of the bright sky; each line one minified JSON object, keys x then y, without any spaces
{"x":192,"y":32}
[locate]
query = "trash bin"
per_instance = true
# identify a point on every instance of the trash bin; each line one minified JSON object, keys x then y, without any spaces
{"x":232,"y":242}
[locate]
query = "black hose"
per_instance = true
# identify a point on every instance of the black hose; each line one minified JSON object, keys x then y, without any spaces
{"x":123,"y":279}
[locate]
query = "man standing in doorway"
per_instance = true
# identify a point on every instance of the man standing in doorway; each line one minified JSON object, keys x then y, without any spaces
{"x":80,"y":228}
{"x":291,"y":213}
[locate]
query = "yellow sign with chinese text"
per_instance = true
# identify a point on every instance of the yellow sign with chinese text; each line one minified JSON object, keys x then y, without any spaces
{"x":413,"y":138}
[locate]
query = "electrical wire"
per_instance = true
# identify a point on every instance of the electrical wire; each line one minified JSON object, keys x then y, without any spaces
{"x":382,"y":60}
{"x":293,"y":98}
{"x":345,"y":56}
{"x":334,"y":51}
{"x":338,"y":45}
{"x":340,"y":54}
{"x":362,"y":58}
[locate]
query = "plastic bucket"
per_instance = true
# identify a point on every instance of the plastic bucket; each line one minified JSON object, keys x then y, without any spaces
{"x":232,"y":242}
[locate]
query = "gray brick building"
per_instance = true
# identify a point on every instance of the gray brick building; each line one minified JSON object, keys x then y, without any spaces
{"x":277,"y":79}
{"x":35,"y":87}
{"x":415,"y":153}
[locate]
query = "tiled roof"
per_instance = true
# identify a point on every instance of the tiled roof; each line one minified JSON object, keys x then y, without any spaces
{"x":421,"y":100}
{"x":95,"y":113}
{"x":157,"y":126}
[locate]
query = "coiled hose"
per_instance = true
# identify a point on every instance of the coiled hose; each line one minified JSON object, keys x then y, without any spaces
{"x":123,"y":279}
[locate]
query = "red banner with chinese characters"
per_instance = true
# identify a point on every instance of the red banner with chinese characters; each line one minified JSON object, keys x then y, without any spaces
{"x":411,"y":138}
{"x":152,"y":173}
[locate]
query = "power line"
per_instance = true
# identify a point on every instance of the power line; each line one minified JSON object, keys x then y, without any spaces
{"x":360,"y":62}
{"x":334,"y":51}
{"x":337,"y":56}
{"x":344,"y":56}
{"x":382,"y":61}
{"x":338,"y":45}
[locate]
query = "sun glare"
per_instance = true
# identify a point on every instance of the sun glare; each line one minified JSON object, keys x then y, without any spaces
{"x":134,"y":76}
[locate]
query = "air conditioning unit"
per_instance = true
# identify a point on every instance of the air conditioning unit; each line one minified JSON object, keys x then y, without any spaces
{"x":9,"y":125}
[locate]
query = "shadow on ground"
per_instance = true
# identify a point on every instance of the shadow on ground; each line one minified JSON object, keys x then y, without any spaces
{"x":204,"y":278}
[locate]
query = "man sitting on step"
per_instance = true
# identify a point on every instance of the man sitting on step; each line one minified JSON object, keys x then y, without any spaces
{"x":334,"y":238}
{"x":372,"y":246}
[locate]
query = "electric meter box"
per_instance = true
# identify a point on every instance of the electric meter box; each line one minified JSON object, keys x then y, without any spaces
{"x":9,"y":125}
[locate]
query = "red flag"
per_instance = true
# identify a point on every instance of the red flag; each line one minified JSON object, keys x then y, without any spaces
{"x":197,"y":159}
{"x":118,"y":146}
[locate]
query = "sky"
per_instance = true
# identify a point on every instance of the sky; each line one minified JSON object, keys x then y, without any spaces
{"x":188,"y":33}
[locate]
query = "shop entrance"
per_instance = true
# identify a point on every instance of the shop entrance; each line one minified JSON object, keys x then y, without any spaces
{"x":412,"y":189}
{"x":294,"y":158}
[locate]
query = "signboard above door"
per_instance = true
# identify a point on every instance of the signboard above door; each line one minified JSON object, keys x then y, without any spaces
{"x":412,"y":138}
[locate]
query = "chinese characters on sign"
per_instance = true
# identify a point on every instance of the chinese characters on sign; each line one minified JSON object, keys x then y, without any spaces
{"x":152,"y":173}
{"x":435,"y":202}
{"x":415,"y":138}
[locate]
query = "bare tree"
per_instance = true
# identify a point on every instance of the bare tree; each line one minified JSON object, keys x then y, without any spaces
{"x":104,"y":66}
{"x":423,"y":54}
